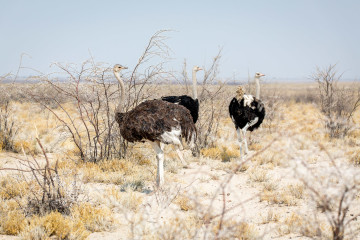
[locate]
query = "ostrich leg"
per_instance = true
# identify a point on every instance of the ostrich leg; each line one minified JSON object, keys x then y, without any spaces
{"x":251,"y":123}
{"x":240,"y":139}
{"x":160,"y":163}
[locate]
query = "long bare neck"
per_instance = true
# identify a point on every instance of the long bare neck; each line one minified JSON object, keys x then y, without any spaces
{"x":194,"y":84}
{"x":257,"y":83}
{"x":122,"y":88}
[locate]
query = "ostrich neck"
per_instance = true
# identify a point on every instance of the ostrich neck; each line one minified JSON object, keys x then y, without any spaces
{"x":257,"y":83}
{"x":122,"y":88}
{"x":194,"y":84}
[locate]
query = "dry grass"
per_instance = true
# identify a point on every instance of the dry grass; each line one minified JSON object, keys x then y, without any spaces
{"x":355,"y":157}
{"x":95,"y":219}
{"x":235,"y":230}
{"x":83,"y":220}
{"x":54,"y":224}
{"x":12,"y":188}
{"x":185,"y":203}
{"x":270,"y":217}
{"x":296,"y":190}
{"x":270,"y":186}
{"x":306,"y":227}
{"x":223,"y":153}
{"x":125,"y":200}
{"x":120,"y":172}
{"x":125,"y":187}
{"x":12,"y":222}
{"x":259,"y":175}
{"x":281,"y":197}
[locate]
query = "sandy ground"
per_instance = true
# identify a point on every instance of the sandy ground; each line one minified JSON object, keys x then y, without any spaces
{"x":212,"y":186}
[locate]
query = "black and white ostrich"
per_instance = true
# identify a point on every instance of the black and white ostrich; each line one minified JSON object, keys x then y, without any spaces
{"x":190,"y":103}
{"x":156,"y":121}
{"x":247,"y":112}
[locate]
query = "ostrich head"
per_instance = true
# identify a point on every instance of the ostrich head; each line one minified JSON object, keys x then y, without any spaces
{"x":117,"y":68}
{"x":239,"y":93}
{"x":197,"y":68}
{"x":259,"y":75}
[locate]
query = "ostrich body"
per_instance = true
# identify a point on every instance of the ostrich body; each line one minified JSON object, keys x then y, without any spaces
{"x":156,"y":121}
{"x":247,"y":112}
{"x":192,"y":104}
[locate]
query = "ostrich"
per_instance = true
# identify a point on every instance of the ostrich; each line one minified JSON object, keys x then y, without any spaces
{"x":190,"y":103}
{"x":247,"y":112}
{"x":154,"y":120}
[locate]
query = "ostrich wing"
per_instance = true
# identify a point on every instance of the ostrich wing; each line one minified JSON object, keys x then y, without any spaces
{"x":151,"y":119}
{"x":241,"y":115}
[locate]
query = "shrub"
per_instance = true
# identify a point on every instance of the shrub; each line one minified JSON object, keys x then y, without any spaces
{"x":8,"y":127}
{"x":338,"y":104}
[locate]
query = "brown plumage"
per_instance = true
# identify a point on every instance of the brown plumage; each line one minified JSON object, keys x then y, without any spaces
{"x":156,"y":121}
{"x":150,"y":119}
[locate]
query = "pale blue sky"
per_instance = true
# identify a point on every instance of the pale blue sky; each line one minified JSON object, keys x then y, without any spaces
{"x":283,"y":39}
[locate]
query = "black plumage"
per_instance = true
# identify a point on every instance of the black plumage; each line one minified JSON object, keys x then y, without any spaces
{"x":186,"y":101}
{"x":247,"y":112}
{"x":242,"y":115}
{"x":192,"y":104}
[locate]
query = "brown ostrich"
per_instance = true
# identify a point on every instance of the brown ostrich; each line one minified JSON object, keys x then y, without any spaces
{"x":156,"y":121}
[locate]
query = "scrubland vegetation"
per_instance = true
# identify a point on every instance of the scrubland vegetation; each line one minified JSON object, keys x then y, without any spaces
{"x":66,"y":173}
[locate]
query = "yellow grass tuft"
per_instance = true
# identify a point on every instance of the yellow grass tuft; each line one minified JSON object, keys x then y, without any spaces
{"x":355,"y":158}
{"x":116,"y":165}
{"x":291,"y":224}
{"x":270,"y":186}
{"x":184,"y":203}
{"x":235,"y":230}
{"x":258,"y":175}
{"x":255,"y":146}
{"x":114,"y":171}
{"x":29,"y":147}
{"x":94,"y":219}
{"x":278,"y":197}
{"x":68,"y":164}
{"x":10,"y":188}
{"x":12,"y":223}
{"x":224,"y":153}
{"x":54,"y":224}
{"x":306,"y":227}
{"x":139,"y":158}
{"x":355,"y":134}
{"x":213,"y":153}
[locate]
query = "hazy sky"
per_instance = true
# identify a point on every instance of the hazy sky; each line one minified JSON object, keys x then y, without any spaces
{"x":283,"y":39}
